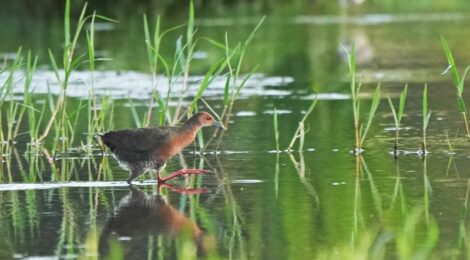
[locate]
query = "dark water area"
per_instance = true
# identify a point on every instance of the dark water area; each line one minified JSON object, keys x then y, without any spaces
{"x":318,"y":203}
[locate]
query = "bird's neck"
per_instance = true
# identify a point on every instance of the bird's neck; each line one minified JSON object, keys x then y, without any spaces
{"x":192,"y":125}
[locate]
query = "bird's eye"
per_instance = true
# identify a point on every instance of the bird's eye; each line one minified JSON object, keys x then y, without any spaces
{"x":208,"y":118}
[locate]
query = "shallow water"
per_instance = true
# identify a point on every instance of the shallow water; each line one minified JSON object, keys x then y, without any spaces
{"x":259,"y":203}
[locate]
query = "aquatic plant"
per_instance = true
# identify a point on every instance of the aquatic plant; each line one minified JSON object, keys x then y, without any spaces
{"x":397,"y":116}
{"x":359,"y":129}
{"x":459,"y":82}
{"x":426,"y":117}
{"x":234,"y":58}
{"x":70,"y":62}
{"x":300,"y":132}
{"x":276,"y":129}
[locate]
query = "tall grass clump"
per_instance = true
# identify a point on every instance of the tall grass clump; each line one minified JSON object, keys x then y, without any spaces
{"x":459,"y":82}
{"x":397,"y":116}
{"x":156,"y":60}
{"x":177,"y":70}
{"x":235,"y":81}
{"x":96,"y":117}
{"x":360,"y":128}
{"x":426,"y":117}
{"x":70,"y":62}
{"x":21,"y":68}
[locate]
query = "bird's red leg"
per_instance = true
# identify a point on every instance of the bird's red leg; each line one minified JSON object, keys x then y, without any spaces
{"x":181,"y":190}
{"x":179,"y":173}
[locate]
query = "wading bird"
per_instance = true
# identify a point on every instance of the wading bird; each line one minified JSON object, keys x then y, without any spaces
{"x":149,"y":148}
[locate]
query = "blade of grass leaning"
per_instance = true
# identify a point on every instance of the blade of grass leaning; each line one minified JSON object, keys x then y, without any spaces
{"x":211,"y":110}
{"x":373,"y":110}
{"x":459,"y":83}
{"x":397,"y":116}
{"x":135,"y":115}
{"x":299,"y":131}
{"x":426,"y":118}
{"x":450,"y":60}
{"x":208,"y":78}
{"x":403,"y":96}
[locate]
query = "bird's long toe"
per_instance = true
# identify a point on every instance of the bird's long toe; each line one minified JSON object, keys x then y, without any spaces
{"x":182,"y":172}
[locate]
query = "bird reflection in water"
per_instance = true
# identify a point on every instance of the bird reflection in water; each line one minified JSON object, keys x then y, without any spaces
{"x":141,"y":216}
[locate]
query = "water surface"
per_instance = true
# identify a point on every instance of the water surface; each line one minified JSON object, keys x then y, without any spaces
{"x":260,"y":203}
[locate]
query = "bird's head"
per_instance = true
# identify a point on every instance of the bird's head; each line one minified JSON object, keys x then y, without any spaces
{"x":206,"y":119}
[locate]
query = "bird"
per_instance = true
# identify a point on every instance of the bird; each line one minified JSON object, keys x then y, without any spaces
{"x":139,"y":216}
{"x":141,"y":149}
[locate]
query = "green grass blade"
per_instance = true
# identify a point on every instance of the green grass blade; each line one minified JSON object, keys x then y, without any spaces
{"x":227,"y":90}
{"x":276,"y":129}
{"x":54,"y":66}
{"x":401,"y":108}
{"x":248,"y":76}
{"x":373,"y":110}
{"x":67,"y":23}
{"x":206,"y":81}
{"x":214,"y":42}
{"x":180,"y":58}
{"x":190,"y":29}
{"x":352,"y":67}
{"x":90,"y":36}
{"x":461,"y":104}
{"x":394,"y":113}
{"x":461,"y":86}
{"x":148,"y":42}
{"x":450,"y":60}
{"x":217,"y":116}
{"x":426,"y":122}
{"x":425,"y":105}
{"x":135,"y":115}
{"x":253,"y":33}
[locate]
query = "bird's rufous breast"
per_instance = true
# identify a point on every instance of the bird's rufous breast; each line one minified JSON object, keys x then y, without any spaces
{"x":176,"y":144}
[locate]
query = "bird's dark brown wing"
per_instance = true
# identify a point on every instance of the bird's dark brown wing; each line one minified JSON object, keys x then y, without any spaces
{"x":141,"y":140}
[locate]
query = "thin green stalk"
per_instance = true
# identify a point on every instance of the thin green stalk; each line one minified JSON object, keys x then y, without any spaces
{"x":360,"y":131}
{"x":426,"y":117}
{"x":233,"y":85}
{"x":397,"y":116}
{"x":276,"y":130}
{"x":354,"y":92}
{"x":186,"y":62}
{"x":300,"y":132}
{"x":459,"y":83}
{"x":373,"y":110}
{"x":70,"y":62}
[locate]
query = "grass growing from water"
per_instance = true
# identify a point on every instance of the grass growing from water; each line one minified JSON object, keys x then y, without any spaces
{"x":459,"y":82}
{"x":425,"y":124}
{"x":59,"y":134}
{"x":397,"y":116}
{"x":406,"y":241}
{"x":300,"y":132}
{"x":360,"y":128}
